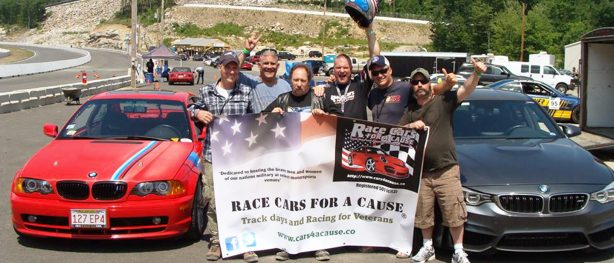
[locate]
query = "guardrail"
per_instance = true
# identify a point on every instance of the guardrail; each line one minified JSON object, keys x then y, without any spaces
{"x":36,"y":97}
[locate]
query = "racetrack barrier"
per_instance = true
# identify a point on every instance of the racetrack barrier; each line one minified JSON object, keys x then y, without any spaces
{"x":31,"y":98}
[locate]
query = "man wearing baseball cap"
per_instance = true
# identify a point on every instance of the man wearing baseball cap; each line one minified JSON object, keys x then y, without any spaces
{"x":225,"y":97}
{"x":440,"y":177}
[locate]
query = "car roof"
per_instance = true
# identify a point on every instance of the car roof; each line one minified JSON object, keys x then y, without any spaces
{"x":493,"y":94}
{"x":141,"y":93}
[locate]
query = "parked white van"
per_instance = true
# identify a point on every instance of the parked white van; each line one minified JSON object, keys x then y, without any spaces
{"x":543,"y":73}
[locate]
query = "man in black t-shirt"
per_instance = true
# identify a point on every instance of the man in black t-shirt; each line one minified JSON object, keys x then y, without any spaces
{"x":441,"y":175}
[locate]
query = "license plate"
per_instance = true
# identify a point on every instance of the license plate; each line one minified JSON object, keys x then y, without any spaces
{"x":88,"y":218}
{"x":181,"y":76}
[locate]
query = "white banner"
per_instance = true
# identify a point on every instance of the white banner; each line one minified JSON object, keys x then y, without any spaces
{"x":304,"y":183}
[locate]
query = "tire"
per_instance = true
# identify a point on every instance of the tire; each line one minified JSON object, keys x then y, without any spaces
{"x":330,"y":72}
{"x":192,"y":83}
{"x":562,"y":87}
{"x":199,"y":215}
{"x":575,"y":114}
{"x":170,"y":83}
{"x":370,"y":165}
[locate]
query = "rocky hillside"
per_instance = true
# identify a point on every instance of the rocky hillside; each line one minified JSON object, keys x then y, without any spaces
{"x":78,"y":24}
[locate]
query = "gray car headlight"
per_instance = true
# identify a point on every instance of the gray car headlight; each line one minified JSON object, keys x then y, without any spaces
{"x":604,"y":195}
{"x":474,"y":198}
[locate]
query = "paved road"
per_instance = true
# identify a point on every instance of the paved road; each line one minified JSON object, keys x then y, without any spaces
{"x":106,"y":64}
{"x":21,"y":136}
{"x":44,"y":54}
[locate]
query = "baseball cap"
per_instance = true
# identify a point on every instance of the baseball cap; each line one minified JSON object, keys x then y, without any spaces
{"x":378,"y":60}
{"x":422,"y":71}
{"x":227,"y":57}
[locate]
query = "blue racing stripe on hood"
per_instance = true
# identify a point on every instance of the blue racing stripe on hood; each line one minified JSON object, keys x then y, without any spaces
{"x":194,"y":159}
{"x":134,"y":157}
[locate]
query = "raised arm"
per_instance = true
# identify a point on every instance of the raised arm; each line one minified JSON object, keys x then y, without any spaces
{"x":469,"y":86}
{"x":374,"y":49}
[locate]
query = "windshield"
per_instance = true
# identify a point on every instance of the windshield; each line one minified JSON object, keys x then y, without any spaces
{"x":503,"y":119}
{"x":129,"y":119}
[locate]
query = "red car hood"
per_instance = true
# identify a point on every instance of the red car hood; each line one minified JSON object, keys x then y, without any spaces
{"x":110,"y":159}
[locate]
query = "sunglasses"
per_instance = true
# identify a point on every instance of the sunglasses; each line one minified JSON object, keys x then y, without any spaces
{"x":416,"y":81}
{"x":378,"y":72}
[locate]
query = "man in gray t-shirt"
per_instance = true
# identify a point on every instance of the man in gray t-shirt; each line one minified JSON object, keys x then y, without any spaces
{"x":267,"y":86}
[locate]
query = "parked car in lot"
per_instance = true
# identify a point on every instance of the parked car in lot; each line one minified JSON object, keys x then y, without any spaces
{"x":527,"y":186}
{"x":246,"y":66}
{"x":124,"y":166}
{"x":318,"y":67}
{"x":439,"y":77}
{"x":315,"y":54}
{"x":198,"y":57}
{"x":492,"y":74}
{"x":181,"y":74}
{"x":286,"y":55}
{"x":559,"y":105}
{"x":182,"y":56}
{"x":253,"y":59}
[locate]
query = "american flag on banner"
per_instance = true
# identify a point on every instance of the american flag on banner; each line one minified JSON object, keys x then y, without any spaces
{"x":254,"y":135}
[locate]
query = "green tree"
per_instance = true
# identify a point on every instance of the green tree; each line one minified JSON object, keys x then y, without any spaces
{"x":461,"y":26}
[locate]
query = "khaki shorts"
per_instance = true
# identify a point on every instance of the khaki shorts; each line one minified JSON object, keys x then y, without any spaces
{"x":444,"y":186}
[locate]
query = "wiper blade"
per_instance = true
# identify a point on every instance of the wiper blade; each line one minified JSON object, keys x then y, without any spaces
{"x":133,"y":137}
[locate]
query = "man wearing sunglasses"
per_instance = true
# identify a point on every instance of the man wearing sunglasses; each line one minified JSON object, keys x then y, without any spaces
{"x":267,"y":86}
{"x":441,"y":175}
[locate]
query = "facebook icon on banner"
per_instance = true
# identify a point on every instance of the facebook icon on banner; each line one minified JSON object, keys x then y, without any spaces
{"x":232,"y":243}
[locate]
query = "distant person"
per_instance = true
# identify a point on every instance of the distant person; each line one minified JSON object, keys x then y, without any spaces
{"x":150,"y":66}
{"x":200,"y":74}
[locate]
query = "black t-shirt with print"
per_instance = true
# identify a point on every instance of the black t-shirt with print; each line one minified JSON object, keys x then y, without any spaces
{"x":437,"y":114}
{"x":351,"y":99}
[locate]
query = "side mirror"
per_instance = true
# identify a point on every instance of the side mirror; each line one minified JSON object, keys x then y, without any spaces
{"x":570,"y":130}
{"x":50,"y":130}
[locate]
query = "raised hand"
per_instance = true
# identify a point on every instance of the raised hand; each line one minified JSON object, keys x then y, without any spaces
{"x":449,"y":79}
{"x":478,"y":66}
{"x":252,"y":41}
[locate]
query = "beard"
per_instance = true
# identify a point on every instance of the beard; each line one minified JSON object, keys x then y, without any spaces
{"x":422,"y":93}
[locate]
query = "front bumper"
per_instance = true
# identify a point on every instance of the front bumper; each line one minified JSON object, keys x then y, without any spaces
{"x":490,"y":227}
{"x":127,"y":219}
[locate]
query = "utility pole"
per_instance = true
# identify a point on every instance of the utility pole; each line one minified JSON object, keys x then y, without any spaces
{"x":522,"y":27}
{"x":133,"y":46}
{"x":161,"y":24}
{"x":324,"y":28}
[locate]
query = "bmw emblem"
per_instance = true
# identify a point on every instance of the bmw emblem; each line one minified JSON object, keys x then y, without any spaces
{"x":543,"y":188}
{"x":92,"y":174}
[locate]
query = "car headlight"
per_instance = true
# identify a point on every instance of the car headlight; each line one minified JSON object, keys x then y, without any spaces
{"x":604,"y":195}
{"x":475,"y":198}
{"x":158,"y":188}
{"x":29,"y":185}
